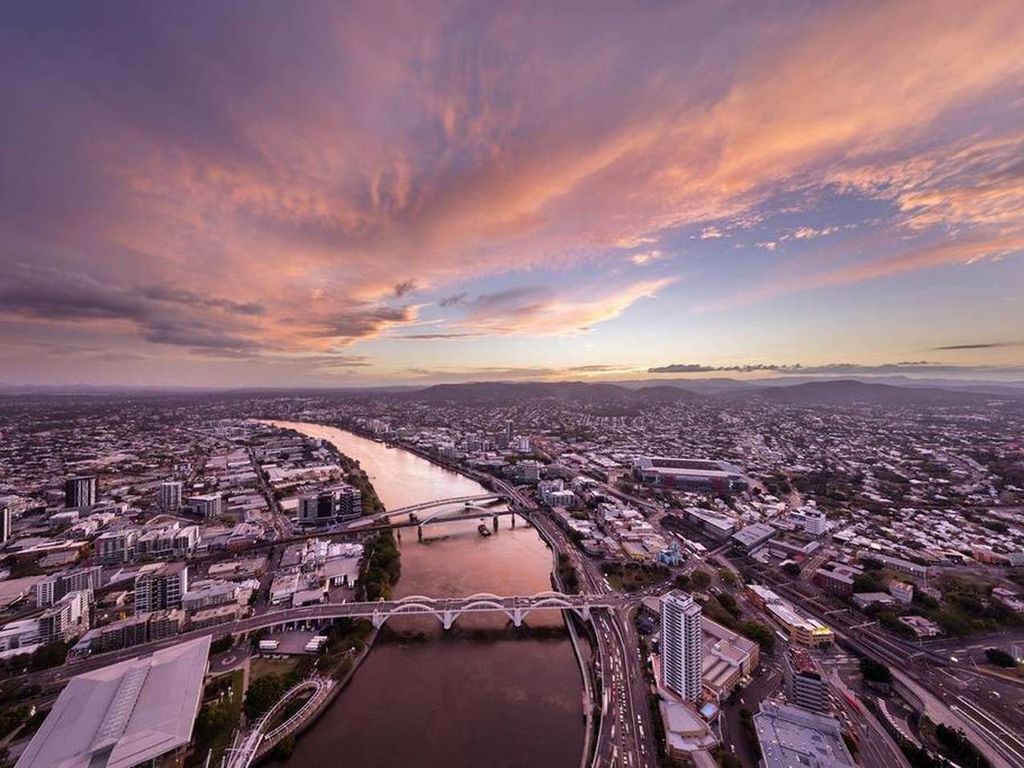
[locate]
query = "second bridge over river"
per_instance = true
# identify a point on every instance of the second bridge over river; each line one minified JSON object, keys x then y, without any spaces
{"x":445,"y":609}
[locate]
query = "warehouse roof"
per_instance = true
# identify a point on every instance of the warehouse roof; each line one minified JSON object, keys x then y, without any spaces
{"x":124,"y":714}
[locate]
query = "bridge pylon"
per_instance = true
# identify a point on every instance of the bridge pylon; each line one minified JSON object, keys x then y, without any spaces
{"x":517,"y":616}
{"x":448,"y":618}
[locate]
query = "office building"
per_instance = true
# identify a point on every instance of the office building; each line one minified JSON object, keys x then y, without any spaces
{"x":801,"y":629}
{"x":158,"y":587}
{"x":729,"y":659}
{"x":114,"y":547}
{"x":136,"y":712}
{"x":682,"y":650}
{"x":790,"y":736}
{"x":806,"y":686}
{"x":206,"y":506}
{"x":812,"y":520}
{"x":80,"y":492}
{"x":170,"y":495}
{"x":837,"y":578}
{"x":327,"y":505}
{"x":52,"y":588}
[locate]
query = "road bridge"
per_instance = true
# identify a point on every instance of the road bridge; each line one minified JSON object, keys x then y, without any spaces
{"x":369,"y":520}
{"x":445,"y":609}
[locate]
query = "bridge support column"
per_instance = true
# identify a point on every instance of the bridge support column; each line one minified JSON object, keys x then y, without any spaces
{"x":419,"y":533}
{"x":448,"y":618}
{"x":517,"y":617}
{"x":378,"y":619}
{"x":495,"y":523}
{"x":585,"y":613}
{"x":513,"y":520}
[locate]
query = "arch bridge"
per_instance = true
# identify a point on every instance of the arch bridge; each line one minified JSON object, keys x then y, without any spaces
{"x":475,"y":500}
{"x":445,"y":609}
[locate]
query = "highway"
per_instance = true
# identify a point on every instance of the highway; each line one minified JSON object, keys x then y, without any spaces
{"x":875,"y":746}
{"x":625,"y":734}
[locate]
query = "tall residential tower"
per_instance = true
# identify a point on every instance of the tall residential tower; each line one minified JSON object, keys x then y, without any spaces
{"x":682,"y":650}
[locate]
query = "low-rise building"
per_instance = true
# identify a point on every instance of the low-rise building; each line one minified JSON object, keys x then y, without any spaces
{"x":791,"y":736}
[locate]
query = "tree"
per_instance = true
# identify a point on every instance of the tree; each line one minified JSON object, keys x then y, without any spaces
{"x":728,"y":577}
{"x":700,"y":580}
{"x":262,"y":694}
{"x":791,"y":569}
{"x":875,"y":672}
{"x":50,"y":655}
{"x":1000,"y":658}
{"x":682,"y":581}
{"x":760,"y":633}
{"x":868,"y":581}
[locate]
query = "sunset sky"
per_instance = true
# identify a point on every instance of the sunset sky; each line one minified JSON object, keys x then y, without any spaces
{"x":341,"y":194}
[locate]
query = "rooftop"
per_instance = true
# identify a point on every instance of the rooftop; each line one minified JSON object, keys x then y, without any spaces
{"x":124,"y":714}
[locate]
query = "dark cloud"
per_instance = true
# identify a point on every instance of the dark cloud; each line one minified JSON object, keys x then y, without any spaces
{"x":193,"y":299}
{"x":53,"y":294}
{"x":361,"y":322}
{"x":990,"y":345}
{"x":455,"y":300}
{"x":404,"y":287}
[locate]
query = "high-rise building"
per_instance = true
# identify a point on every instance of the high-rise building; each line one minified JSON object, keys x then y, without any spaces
{"x":170,"y":495}
{"x":5,"y":524}
{"x":682,"y":649}
{"x":80,"y":491}
{"x":160,"y":587}
{"x":51,"y":589}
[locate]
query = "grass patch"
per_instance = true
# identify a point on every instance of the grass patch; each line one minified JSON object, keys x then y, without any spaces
{"x":266,"y":667}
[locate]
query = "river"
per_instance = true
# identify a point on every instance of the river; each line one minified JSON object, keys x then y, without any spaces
{"x":482,"y":694}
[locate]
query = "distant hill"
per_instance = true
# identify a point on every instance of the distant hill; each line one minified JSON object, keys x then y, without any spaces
{"x":580,"y":391}
{"x":849,"y":392}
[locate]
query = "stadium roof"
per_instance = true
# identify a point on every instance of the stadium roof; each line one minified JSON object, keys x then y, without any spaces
{"x":124,"y":714}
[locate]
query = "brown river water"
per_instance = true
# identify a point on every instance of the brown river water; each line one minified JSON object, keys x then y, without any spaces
{"x":482,"y":694}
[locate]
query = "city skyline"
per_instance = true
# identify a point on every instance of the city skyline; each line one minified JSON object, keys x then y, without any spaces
{"x":368,"y":194}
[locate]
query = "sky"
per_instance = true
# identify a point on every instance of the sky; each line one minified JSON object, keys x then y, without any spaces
{"x":347,"y":193}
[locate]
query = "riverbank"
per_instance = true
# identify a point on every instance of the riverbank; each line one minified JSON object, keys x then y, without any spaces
{"x":382,"y":569}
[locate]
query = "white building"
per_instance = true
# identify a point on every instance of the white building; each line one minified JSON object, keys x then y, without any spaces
{"x":170,"y":495}
{"x":682,"y":650}
{"x":813,"y":520}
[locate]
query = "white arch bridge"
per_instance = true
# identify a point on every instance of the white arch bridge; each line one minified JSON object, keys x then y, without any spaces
{"x":448,"y":609}
{"x":472,"y":501}
{"x":445,"y":609}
